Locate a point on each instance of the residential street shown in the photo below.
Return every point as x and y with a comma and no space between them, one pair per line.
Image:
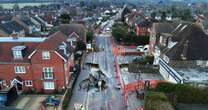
108,99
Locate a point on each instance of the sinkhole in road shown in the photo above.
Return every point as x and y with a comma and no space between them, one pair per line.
95,80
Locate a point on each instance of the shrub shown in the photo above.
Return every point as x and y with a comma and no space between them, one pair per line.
89,36
145,60
80,46
156,101
185,93
67,99
149,59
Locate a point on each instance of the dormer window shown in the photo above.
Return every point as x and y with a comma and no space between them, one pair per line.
63,48
46,55
17,52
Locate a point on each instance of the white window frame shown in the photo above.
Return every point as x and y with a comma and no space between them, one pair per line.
19,69
48,72
46,55
49,85
17,54
28,83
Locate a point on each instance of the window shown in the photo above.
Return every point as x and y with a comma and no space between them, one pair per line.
19,69
48,72
17,54
46,55
49,85
28,83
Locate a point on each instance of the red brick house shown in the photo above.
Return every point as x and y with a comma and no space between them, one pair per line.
143,28
40,63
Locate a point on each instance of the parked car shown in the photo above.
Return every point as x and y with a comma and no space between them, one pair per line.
8,95
50,100
107,29
140,48
146,48
118,87
143,48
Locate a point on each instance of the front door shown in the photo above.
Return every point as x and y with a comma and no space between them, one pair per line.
19,86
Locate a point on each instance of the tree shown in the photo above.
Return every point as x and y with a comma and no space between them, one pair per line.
153,15
125,11
186,15
1,7
80,46
89,36
82,3
131,38
119,33
16,6
65,18
163,17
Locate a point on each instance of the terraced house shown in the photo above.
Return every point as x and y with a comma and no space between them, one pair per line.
34,62
181,53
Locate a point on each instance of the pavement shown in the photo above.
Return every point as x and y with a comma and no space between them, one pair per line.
135,103
108,99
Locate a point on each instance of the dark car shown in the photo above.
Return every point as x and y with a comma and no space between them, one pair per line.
8,95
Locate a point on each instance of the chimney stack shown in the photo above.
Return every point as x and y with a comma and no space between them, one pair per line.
14,35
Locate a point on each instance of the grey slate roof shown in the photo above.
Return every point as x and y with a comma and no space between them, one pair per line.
144,23
39,20
164,27
192,44
26,20
11,26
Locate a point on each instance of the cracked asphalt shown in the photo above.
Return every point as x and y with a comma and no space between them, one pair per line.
108,99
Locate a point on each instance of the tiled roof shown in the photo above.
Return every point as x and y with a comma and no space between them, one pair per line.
192,43
6,55
67,29
27,20
163,27
39,20
52,43
145,23
11,26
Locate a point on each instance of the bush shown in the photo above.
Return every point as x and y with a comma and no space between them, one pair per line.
65,18
122,35
145,60
156,101
143,40
67,99
149,59
89,36
80,46
185,93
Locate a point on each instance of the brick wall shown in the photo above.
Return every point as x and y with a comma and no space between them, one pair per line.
55,62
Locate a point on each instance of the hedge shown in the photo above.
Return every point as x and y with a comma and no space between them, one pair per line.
69,90
185,93
67,99
156,101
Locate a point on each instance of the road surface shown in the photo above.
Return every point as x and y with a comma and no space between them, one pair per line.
108,99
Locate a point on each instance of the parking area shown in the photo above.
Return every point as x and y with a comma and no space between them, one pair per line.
31,102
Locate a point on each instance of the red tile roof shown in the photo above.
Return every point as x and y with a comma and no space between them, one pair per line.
6,51
51,43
